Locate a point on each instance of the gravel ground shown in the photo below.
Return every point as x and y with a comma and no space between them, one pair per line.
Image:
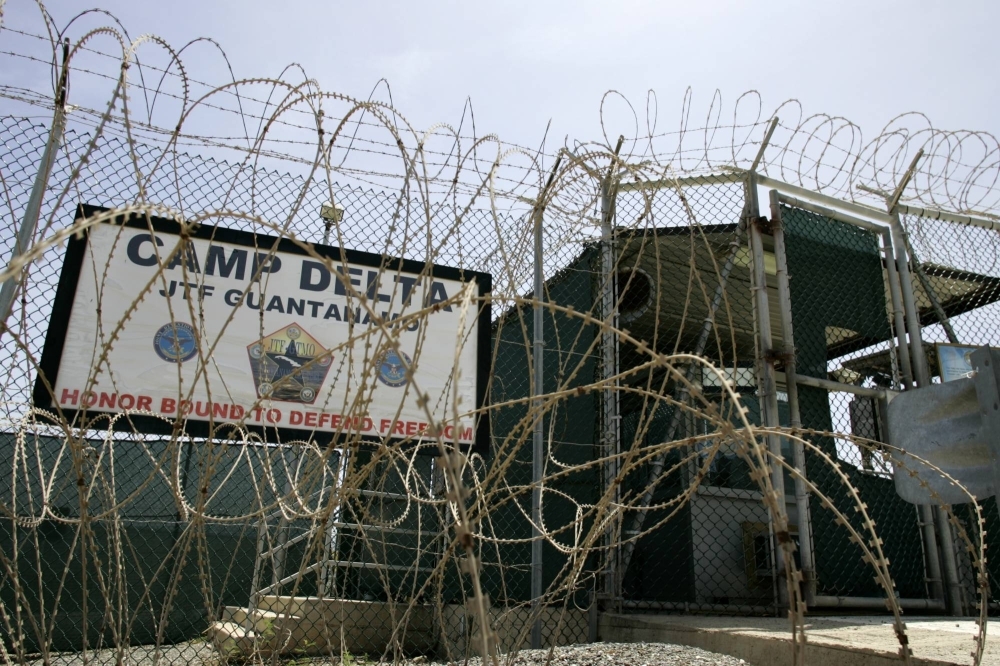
619,654
594,654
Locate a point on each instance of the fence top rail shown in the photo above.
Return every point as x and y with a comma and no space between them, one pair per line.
933,214
815,198
832,214
787,190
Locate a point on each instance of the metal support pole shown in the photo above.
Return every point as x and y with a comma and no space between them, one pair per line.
609,368
538,446
32,210
791,386
919,363
922,375
895,298
538,441
767,391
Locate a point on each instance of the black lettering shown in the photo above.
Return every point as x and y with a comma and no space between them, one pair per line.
315,307
275,305
308,283
438,295
372,292
232,297
332,313
340,288
250,302
296,306
265,263
217,257
407,283
133,249
185,255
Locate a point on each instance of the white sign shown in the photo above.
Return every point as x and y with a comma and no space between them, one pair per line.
233,329
954,361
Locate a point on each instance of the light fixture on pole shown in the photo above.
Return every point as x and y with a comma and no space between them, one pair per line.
332,213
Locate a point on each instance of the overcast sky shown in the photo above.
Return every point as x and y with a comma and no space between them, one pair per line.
524,63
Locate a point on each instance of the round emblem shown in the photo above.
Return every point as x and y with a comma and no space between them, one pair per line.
264,390
326,359
392,367
175,342
293,333
256,351
307,394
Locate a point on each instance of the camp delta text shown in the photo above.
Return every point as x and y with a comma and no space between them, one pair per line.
243,265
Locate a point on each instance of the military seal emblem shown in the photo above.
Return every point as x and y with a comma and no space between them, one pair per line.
175,342
392,367
289,365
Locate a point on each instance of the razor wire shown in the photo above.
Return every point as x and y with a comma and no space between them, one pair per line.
126,546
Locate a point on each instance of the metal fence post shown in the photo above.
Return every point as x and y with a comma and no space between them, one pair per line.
538,439
32,210
922,374
896,301
609,368
924,513
767,389
798,450
919,363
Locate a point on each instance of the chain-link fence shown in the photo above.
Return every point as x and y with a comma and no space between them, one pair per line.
654,408
291,548
957,287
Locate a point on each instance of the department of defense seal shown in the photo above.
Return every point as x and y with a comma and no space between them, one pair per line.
392,367
175,342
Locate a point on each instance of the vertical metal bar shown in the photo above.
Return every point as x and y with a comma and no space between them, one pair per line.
929,290
922,376
538,440
610,417
767,391
609,368
918,358
897,309
538,445
798,450
919,362
32,210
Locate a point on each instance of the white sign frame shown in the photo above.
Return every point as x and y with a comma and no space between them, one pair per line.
310,351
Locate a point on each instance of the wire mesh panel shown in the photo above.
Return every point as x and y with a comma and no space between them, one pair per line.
139,555
288,547
956,278
683,285
843,333
655,489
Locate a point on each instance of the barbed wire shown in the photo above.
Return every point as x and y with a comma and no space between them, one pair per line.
440,526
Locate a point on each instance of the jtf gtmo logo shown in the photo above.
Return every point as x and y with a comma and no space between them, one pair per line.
289,364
